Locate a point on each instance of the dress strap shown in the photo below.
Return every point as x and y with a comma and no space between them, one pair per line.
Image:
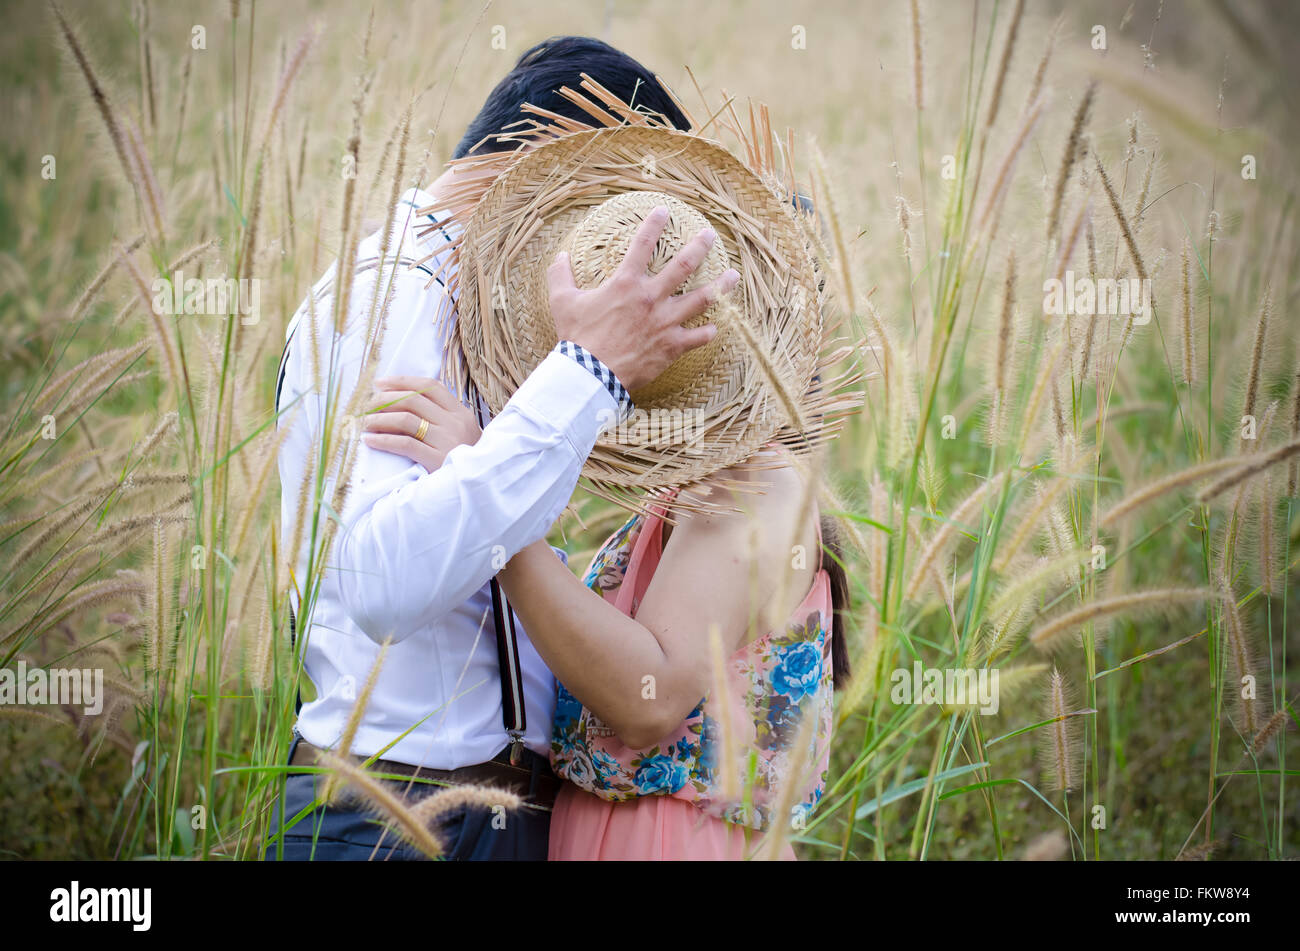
641,561
821,552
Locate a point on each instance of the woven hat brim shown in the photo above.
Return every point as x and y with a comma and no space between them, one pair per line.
756,385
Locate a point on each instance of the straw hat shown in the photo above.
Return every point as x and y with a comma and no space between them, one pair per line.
585,190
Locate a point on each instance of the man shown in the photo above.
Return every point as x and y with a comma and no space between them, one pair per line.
417,548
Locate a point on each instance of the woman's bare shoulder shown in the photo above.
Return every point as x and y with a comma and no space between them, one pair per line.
748,548
766,481
744,496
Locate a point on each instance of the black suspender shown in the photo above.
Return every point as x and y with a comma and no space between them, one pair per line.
514,716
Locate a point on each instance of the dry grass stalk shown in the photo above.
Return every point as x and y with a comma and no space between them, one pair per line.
1036,84
248,248
878,553
933,575
89,374
97,94
355,717
729,317
1045,636
1002,356
123,585
1090,336
1073,150
1060,752
1042,576
918,63
1028,522
348,229
1188,321
960,519
256,490
384,802
1279,722
842,268
186,70
162,333
1125,230
1259,462
905,228
386,235
987,223
146,183
1182,477
1242,656
166,426
160,604
1003,633
1256,363
885,354
1046,374
1004,64
260,659
455,798
1140,208
1293,468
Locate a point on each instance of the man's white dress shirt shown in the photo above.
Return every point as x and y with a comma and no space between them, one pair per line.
415,549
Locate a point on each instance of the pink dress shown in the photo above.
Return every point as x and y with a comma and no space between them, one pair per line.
709,789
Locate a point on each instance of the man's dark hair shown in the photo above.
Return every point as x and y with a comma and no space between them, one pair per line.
561,61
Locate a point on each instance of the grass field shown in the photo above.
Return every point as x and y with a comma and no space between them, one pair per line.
1102,507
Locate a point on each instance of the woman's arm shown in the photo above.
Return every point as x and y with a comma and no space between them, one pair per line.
643,676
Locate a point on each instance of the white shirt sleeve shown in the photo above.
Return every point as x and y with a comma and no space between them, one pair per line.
413,545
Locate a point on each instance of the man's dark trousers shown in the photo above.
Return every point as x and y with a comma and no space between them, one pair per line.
351,833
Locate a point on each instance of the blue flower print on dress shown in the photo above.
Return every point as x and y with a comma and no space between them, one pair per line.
798,670
567,708
659,774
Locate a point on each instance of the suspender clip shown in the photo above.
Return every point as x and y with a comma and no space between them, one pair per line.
516,748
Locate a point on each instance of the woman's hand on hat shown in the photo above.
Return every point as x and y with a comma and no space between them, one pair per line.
632,322
419,418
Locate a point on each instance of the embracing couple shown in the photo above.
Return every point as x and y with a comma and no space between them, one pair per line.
561,278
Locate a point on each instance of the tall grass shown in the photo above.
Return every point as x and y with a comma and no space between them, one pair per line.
1073,501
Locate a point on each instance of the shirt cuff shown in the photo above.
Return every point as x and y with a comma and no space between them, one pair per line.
587,360
570,399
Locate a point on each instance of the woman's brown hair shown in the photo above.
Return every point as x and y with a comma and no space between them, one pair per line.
833,562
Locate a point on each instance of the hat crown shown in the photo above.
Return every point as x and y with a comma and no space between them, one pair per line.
598,243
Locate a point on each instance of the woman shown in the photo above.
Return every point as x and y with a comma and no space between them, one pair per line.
654,770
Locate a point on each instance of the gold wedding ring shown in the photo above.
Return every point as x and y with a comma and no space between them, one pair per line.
424,428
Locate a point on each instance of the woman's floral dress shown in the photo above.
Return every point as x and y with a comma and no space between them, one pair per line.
734,756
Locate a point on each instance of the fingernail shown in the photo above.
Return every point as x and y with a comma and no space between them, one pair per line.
731,277
660,213
709,235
